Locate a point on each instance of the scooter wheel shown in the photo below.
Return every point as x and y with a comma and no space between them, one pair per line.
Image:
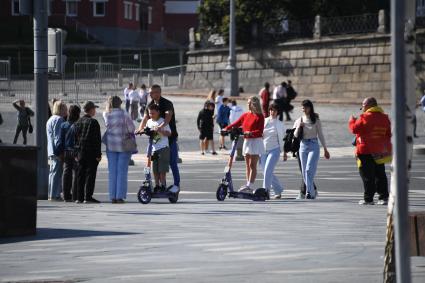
173,198
221,193
144,196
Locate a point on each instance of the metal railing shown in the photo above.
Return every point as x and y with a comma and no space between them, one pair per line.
366,23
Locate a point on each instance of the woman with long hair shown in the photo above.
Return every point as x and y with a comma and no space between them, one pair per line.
309,128
118,126
252,123
273,134
211,96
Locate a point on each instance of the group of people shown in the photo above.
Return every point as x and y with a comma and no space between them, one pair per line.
136,100
282,94
74,147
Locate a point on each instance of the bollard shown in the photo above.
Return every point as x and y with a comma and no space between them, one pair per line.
180,80
119,80
150,79
164,79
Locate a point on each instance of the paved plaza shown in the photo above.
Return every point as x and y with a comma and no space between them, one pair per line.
330,239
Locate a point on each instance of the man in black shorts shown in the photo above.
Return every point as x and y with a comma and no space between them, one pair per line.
166,111
205,123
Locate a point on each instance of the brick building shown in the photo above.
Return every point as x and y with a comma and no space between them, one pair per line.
145,23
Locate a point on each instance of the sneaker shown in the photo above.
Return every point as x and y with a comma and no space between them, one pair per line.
382,202
301,196
214,153
91,200
79,201
174,189
120,200
363,202
245,189
113,201
202,153
309,196
156,189
162,188
278,196
56,199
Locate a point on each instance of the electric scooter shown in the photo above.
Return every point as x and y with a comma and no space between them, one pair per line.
226,186
146,192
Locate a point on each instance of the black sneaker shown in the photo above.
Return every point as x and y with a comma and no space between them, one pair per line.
156,189
214,153
163,189
309,196
91,200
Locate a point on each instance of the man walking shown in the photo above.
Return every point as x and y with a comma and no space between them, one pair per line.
166,111
373,149
88,147
127,91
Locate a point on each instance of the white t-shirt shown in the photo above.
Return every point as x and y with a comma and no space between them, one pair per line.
270,134
133,96
218,102
235,112
126,92
279,92
143,94
159,141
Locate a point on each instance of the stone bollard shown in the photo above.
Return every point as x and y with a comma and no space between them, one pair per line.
150,79
135,79
119,80
317,33
164,79
181,78
381,21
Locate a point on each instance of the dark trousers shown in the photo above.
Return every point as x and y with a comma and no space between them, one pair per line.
86,178
69,177
302,184
374,178
24,130
127,106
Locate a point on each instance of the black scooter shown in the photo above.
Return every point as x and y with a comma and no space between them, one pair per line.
146,192
226,186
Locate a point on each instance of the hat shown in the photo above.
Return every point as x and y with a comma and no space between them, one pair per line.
89,105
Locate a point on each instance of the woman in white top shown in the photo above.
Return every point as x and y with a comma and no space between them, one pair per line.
273,134
309,128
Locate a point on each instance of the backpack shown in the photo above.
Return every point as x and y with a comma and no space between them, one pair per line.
291,93
291,143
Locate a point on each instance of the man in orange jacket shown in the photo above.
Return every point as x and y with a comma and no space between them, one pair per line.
373,149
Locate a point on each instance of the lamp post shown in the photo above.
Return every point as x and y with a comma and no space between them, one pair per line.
232,88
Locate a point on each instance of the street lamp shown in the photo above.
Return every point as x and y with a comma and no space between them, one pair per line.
232,87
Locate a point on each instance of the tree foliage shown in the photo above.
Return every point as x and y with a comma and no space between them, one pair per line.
267,14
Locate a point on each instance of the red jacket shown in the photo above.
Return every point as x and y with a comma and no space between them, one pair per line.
250,122
373,132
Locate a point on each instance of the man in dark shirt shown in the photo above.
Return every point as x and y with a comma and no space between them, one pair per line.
24,114
166,111
88,147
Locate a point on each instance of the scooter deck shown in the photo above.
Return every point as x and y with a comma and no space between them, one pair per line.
162,194
243,195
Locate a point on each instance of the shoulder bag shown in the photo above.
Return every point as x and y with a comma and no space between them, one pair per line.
129,139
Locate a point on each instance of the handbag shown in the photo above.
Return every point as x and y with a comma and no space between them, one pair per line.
30,127
129,140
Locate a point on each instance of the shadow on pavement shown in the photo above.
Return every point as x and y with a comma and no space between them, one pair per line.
53,233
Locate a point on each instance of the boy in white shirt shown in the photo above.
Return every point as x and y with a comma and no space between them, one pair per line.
160,148
134,99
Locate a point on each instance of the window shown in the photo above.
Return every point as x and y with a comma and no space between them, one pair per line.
71,8
15,7
149,15
99,9
137,11
128,10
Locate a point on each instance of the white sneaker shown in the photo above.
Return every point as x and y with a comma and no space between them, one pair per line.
363,202
382,202
278,196
301,196
174,189
245,189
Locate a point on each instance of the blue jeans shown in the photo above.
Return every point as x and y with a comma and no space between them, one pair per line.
309,155
55,177
174,156
268,162
118,174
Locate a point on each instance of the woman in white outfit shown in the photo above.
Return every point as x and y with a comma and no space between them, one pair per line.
273,135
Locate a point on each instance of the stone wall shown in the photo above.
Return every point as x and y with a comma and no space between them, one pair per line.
337,67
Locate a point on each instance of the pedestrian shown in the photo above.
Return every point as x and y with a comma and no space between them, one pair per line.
55,150
280,97
211,96
373,149
273,134
24,120
88,147
265,99
166,111
67,141
160,148
127,90
308,128
235,111
143,94
291,94
205,124
219,100
134,99
223,120
118,127
252,123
